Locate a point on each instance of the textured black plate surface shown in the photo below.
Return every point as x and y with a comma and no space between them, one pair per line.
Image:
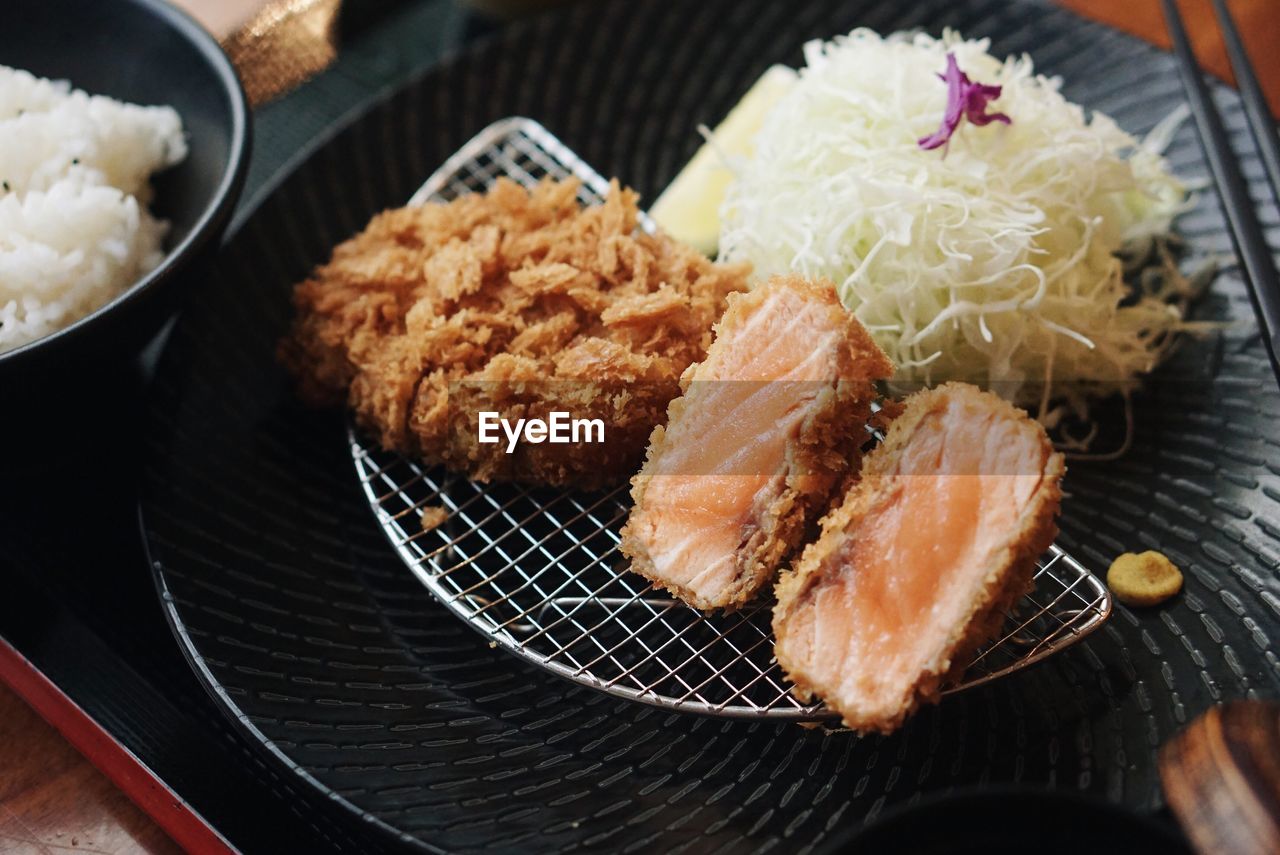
307,626
1002,819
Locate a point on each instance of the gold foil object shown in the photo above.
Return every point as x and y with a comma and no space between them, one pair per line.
285,44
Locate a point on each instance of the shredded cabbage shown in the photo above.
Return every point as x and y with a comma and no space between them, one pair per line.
993,262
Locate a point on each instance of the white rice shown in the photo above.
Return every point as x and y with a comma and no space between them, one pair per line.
75,231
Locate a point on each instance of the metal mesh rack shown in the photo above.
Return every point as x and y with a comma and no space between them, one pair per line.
538,571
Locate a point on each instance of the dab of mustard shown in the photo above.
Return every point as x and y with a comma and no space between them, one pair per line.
1144,579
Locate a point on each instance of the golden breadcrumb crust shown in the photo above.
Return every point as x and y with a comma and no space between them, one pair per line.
1009,576
817,457
516,301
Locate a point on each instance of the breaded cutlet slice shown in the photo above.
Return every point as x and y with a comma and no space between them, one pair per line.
515,301
915,569
765,429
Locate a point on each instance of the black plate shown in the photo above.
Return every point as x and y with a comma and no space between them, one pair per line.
144,52
312,634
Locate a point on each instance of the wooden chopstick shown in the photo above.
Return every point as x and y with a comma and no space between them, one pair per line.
1246,231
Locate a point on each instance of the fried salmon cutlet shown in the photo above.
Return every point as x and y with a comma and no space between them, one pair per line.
916,567
514,301
765,429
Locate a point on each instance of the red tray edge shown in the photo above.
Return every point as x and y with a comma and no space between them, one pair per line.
143,787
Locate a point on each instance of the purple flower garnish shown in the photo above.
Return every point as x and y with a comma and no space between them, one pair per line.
965,99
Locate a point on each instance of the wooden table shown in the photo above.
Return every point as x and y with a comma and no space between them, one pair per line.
52,800
1257,20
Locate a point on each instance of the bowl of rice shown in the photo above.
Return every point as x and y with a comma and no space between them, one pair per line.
123,148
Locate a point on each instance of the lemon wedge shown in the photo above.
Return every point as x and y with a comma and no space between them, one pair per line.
689,209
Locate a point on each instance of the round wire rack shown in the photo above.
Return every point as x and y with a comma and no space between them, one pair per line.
538,571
